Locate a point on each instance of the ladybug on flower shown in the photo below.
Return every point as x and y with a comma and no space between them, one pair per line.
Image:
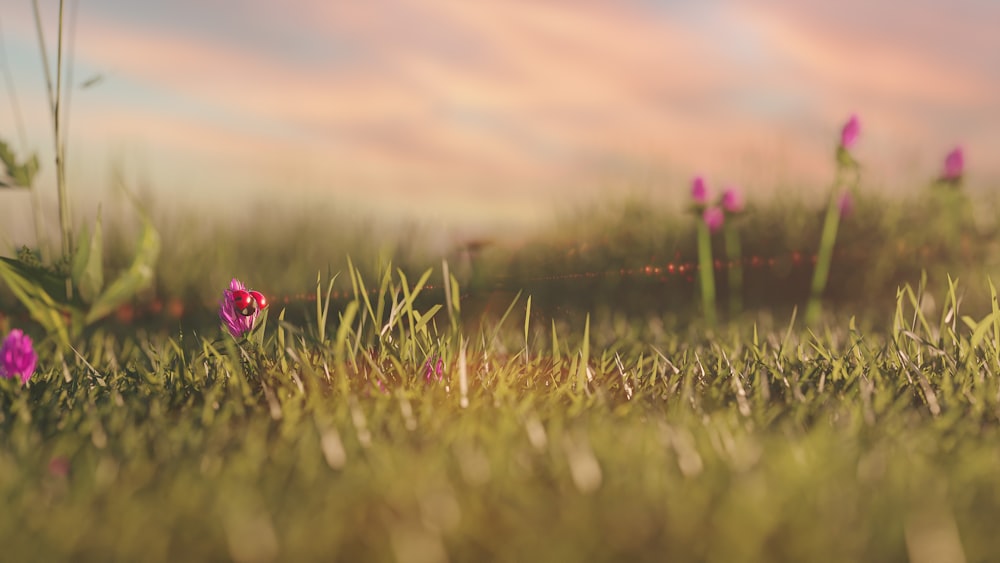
240,307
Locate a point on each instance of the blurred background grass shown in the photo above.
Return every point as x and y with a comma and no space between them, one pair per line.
623,255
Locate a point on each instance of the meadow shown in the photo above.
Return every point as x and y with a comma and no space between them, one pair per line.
757,381
561,399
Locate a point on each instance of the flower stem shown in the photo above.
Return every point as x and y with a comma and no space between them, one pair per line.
55,95
734,255
706,273
827,240
64,214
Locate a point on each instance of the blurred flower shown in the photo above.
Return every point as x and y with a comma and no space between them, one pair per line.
954,165
433,370
239,325
849,134
846,204
699,192
59,466
713,217
732,200
17,356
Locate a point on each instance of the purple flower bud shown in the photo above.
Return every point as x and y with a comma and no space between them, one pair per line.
713,217
732,200
433,369
699,192
17,356
849,134
954,165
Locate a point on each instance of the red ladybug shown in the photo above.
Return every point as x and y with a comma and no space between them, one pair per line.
244,302
260,299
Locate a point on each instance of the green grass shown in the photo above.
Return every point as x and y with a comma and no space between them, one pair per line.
581,417
606,441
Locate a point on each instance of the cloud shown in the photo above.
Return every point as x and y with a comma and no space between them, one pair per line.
437,101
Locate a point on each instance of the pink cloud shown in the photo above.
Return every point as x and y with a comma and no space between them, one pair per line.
509,97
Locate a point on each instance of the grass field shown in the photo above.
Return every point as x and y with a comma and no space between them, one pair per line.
599,421
577,393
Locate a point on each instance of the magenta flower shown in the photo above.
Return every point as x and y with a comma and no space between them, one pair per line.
713,217
845,204
17,356
732,200
954,165
849,134
433,370
239,325
699,192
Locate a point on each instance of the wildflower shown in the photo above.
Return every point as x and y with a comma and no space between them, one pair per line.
713,217
433,370
845,204
954,165
732,200
849,134
59,466
238,324
17,356
699,192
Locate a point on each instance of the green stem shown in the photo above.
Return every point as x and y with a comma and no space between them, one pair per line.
64,215
706,273
734,254
41,239
823,259
54,98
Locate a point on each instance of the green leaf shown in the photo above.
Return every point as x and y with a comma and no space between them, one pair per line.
425,317
581,374
30,289
51,283
257,332
340,344
81,256
133,280
980,333
322,312
23,175
88,263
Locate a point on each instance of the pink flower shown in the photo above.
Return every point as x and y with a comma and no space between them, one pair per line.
699,192
954,165
17,356
239,325
433,370
849,134
59,466
713,217
846,204
732,200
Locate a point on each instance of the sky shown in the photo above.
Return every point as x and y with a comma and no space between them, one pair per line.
501,113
